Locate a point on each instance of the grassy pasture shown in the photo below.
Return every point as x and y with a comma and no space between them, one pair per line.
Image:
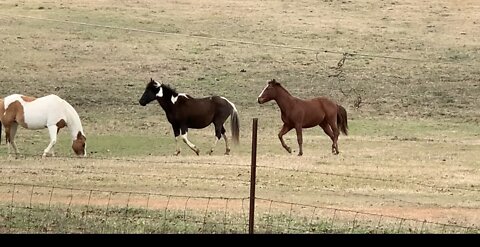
416,132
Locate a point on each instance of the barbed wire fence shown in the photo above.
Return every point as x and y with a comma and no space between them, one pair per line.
30,207
318,219
213,163
40,208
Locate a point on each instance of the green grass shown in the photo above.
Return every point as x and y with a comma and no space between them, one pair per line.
158,139
55,219
414,128
99,146
42,219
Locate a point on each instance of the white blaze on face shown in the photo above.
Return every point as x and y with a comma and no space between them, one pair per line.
174,99
262,92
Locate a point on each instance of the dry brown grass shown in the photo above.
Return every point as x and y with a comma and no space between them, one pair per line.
423,169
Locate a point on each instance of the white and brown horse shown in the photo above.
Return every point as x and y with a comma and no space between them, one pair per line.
184,111
50,112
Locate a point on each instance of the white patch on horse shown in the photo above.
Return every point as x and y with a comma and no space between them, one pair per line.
160,92
234,108
46,112
12,98
260,95
185,139
157,85
174,99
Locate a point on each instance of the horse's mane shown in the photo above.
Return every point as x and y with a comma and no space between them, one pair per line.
276,83
169,90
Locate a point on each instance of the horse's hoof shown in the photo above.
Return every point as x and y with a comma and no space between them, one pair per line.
197,152
48,155
227,153
209,152
289,150
176,153
300,154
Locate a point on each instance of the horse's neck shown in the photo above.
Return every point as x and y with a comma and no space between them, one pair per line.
73,121
284,99
166,106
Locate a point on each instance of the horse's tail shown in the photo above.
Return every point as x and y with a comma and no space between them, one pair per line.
342,121
234,123
235,126
2,112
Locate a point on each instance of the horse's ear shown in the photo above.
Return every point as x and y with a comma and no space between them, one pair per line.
273,80
151,79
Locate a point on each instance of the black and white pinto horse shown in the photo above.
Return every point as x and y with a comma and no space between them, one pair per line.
184,112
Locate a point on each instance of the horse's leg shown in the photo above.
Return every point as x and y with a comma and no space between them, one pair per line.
326,128
218,135
227,147
176,132
52,131
285,129
333,124
7,137
299,139
190,144
10,133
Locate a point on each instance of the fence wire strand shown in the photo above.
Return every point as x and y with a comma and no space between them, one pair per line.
205,221
242,42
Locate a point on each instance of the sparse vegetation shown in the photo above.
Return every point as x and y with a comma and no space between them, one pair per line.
417,120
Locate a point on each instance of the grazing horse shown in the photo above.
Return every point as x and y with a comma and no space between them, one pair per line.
50,112
183,112
298,113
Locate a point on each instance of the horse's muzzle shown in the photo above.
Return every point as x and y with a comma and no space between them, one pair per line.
260,100
142,103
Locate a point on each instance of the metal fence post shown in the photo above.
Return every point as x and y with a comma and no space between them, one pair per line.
253,175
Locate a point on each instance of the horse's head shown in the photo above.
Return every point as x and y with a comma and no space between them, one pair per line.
152,91
269,92
79,145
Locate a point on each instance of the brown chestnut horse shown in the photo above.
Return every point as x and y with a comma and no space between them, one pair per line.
298,113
